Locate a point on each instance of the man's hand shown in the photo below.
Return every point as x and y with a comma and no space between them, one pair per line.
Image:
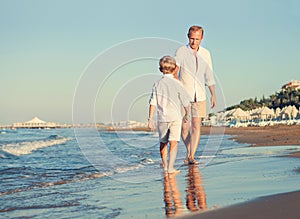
213,101
186,118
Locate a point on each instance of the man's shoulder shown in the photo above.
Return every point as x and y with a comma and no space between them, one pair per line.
204,51
182,48
205,54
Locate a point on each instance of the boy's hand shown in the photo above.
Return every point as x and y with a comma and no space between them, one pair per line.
151,124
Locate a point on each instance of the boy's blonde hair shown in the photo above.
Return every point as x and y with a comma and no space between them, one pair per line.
167,64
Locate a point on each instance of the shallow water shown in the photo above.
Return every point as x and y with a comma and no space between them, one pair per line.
46,175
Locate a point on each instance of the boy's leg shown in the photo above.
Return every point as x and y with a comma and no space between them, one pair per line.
174,138
164,155
173,154
163,139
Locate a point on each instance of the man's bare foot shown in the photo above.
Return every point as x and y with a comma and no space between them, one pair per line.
193,162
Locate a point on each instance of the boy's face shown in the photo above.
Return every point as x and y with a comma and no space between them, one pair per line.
195,38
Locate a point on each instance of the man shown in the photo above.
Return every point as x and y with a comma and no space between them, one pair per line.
195,71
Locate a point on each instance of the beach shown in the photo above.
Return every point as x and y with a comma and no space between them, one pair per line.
260,136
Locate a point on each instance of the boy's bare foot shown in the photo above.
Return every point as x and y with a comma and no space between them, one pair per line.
173,171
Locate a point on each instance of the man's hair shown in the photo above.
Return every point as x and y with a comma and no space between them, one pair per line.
167,64
195,28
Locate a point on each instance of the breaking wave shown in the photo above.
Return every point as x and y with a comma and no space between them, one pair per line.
26,147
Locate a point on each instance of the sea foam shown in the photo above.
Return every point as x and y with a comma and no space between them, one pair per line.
26,147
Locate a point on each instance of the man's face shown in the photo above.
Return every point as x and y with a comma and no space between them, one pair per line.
195,38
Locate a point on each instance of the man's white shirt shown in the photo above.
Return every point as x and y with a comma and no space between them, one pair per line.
194,79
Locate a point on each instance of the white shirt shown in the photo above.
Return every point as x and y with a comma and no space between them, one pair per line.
168,94
194,77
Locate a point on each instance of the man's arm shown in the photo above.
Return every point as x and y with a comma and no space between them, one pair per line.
187,115
213,96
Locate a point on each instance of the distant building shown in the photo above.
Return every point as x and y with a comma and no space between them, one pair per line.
293,84
126,125
36,123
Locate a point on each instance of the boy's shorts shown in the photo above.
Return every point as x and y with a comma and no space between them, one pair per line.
169,131
198,109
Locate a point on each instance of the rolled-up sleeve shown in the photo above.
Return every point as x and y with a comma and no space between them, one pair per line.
209,77
179,57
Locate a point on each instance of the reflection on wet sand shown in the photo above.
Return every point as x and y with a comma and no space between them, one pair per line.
172,196
195,194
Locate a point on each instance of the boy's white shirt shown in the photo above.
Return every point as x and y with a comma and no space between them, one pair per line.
168,95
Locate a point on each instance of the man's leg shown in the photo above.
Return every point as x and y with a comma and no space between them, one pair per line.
195,136
164,155
186,138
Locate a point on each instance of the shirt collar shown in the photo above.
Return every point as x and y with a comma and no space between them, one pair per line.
190,48
168,75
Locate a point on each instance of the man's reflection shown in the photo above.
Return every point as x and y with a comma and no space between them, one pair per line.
195,195
172,196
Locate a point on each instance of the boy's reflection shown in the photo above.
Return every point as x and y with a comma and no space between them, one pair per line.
172,196
195,195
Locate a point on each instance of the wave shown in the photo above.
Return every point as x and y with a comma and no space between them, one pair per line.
26,147
77,178
128,168
147,161
62,205
4,154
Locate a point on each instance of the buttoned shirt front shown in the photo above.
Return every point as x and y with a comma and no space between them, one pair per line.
168,94
195,71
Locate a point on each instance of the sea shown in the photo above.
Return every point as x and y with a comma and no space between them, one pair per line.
86,173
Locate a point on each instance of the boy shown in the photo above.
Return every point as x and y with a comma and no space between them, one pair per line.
168,95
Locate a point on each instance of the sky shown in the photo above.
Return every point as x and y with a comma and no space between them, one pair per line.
72,61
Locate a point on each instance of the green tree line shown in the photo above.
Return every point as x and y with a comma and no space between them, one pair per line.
289,96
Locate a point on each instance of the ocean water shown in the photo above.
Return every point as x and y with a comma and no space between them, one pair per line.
66,173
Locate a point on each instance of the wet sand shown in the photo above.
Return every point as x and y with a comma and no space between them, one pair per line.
276,206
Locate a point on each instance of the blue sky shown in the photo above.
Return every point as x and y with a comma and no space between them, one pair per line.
46,47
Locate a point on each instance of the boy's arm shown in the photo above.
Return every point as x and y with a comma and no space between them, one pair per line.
150,118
